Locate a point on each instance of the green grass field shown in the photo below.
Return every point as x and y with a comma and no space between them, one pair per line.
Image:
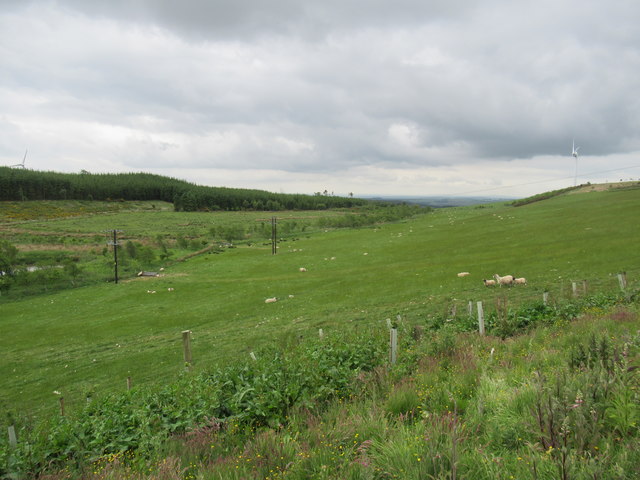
94,337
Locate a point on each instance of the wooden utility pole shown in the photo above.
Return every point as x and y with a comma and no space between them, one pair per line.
114,242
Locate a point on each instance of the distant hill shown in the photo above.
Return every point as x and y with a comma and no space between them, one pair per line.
436,201
20,184
584,188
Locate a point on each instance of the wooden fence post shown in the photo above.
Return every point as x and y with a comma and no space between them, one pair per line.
622,280
13,440
545,298
480,319
393,351
62,406
470,309
128,383
186,343
574,289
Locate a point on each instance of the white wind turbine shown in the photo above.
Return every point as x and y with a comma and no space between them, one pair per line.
21,165
574,152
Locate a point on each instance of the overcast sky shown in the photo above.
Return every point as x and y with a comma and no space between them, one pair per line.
409,97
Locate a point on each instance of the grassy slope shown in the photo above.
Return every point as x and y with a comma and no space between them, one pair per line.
69,341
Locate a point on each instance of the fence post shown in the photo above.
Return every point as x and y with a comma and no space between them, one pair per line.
62,406
545,298
470,309
13,440
574,289
622,280
480,319
585,287
128,383
186,343
393,352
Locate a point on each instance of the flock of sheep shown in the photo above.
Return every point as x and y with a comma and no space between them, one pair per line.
499,281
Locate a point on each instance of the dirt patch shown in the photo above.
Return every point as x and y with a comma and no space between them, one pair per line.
601,187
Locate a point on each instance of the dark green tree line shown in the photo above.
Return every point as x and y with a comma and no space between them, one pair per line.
21,184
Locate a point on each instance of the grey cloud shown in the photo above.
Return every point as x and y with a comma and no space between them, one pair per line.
246,19
320,86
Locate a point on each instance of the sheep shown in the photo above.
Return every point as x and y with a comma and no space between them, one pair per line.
463,274
489,283
271,300
302,269
520,281
506,280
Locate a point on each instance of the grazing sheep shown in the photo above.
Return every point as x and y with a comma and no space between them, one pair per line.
463,274
506,280
271,300
489,283
520,281
302,269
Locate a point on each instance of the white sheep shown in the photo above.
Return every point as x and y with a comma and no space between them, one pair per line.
463,274
489,283
520,281
271,300
506,280
302,269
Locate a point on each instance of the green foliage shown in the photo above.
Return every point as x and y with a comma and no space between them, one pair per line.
23,184
543,196
299,411
403,400
8,256
252,394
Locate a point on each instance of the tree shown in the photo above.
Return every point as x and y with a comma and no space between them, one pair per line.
72,269
8,257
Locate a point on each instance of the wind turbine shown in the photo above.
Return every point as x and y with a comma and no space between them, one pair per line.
21,165
574,152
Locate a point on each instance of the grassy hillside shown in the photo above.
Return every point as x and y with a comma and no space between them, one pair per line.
558,402
93,337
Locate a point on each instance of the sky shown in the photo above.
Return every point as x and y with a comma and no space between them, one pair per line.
369,97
